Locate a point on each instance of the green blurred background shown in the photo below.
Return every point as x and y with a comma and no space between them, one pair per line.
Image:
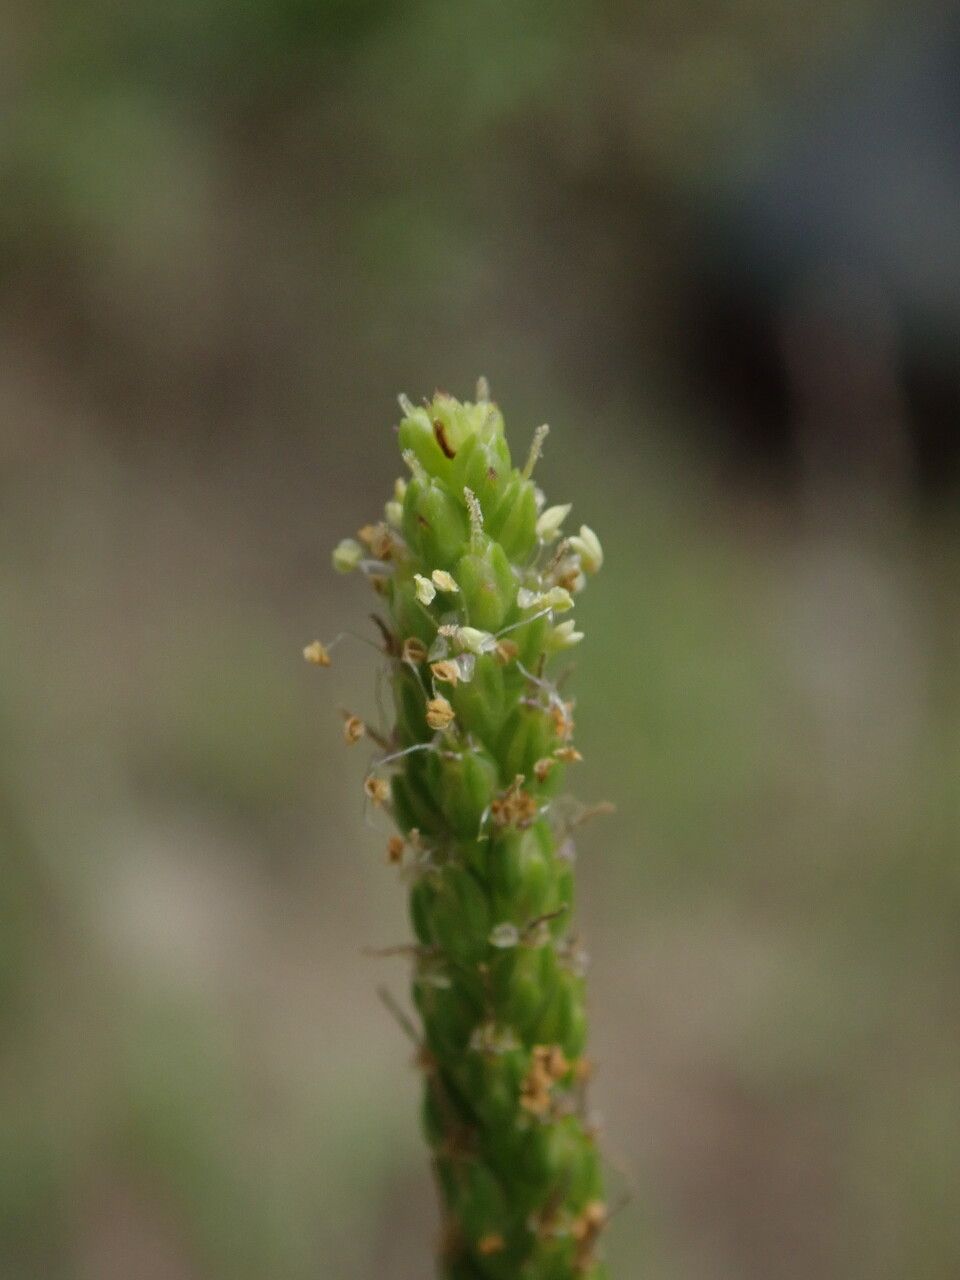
716,245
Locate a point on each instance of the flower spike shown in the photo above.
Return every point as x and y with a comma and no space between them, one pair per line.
473,568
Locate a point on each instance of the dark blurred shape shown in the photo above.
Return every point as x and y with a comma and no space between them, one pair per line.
862,184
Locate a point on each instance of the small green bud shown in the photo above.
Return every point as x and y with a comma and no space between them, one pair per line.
482,1209
518,979
528,736
465,782
410,705
521,875
413,805
434,523
449,1015
437,433
417,436
483,466
531,639
460,915
488,585
421,899
494,1079
562,1021
513,523
482,703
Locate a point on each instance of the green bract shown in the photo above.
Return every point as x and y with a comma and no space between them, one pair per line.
473,570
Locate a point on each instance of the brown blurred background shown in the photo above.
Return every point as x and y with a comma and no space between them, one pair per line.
717,246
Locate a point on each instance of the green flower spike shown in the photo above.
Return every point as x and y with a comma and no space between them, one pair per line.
474,569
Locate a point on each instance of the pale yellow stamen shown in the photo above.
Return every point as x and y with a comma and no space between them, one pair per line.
316,653
439,713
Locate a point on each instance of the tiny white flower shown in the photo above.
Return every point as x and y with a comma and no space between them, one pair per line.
475,641
444,581
558,599
588,548
504,935
347,555
425,589
394,513
548,526
470,639
563,635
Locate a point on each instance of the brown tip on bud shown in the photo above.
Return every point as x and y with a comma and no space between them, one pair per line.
395,847
439,713
488,1245
440,433
376,790
569,755
353,730
317,654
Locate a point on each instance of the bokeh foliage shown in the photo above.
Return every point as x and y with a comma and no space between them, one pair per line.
230,233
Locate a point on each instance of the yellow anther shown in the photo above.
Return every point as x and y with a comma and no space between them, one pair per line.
439,713
316,653
353,730
376,789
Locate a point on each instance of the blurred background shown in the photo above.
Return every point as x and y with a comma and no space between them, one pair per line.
717,247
